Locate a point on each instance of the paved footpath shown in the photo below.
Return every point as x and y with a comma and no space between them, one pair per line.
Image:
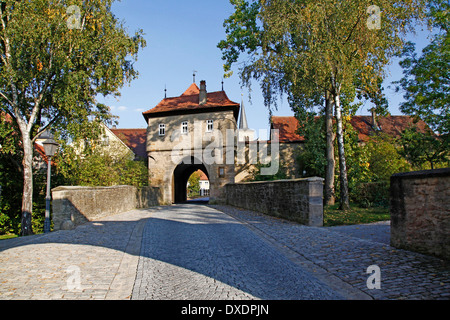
197,252
95,261
346,252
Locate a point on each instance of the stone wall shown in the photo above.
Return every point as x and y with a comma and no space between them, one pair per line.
73,206
420,212
299,200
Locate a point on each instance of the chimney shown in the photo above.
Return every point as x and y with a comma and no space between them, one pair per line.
202,95
374,119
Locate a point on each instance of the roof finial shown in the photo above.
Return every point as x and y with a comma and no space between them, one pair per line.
222,84
165,91
193,75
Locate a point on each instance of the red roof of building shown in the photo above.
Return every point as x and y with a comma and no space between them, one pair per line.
390,125
135,139
203,176
287,127
193,89
189,101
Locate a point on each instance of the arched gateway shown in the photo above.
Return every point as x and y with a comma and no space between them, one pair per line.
181,174
193,131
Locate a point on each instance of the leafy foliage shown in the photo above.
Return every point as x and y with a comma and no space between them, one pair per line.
98,166
312,160
421,149
426,81
52,72
194,184
310,48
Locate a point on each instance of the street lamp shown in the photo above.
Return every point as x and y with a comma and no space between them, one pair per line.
50,147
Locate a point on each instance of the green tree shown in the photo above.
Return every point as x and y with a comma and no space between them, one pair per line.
55,58
194,184
420,148
92,163
426,80
310,49
312,160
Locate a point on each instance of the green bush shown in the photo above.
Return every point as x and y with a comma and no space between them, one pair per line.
5,224
98,168
370,194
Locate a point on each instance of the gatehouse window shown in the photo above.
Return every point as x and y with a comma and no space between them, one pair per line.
209,125
162,129
184,127
221,172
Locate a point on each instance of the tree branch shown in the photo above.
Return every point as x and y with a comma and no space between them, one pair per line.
6,98
46,127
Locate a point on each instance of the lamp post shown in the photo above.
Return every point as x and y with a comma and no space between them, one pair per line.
50,147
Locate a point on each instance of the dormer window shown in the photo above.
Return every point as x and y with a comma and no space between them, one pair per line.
184,127
209,125
162,129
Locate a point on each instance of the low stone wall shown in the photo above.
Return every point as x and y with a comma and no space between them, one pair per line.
299,200
73,206
420,212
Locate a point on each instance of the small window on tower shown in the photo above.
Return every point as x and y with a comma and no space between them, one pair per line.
184,127
162,129
221,172
209,125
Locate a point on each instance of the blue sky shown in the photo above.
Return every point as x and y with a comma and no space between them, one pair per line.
182,36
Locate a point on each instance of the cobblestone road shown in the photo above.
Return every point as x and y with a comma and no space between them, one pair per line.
346,252
196,252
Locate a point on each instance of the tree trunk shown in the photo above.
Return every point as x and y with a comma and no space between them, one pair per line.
27,198
329,197
344,198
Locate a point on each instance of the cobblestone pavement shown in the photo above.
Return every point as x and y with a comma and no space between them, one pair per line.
97,260
196,252
178,253
346,252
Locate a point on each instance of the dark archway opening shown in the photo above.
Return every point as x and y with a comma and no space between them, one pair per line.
181,175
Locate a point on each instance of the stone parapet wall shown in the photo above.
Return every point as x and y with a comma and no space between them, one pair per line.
299,200
73,206
420,212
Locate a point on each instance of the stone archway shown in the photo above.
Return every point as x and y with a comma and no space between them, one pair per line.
181,175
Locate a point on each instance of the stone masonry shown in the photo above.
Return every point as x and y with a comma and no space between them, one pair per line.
73,206
420,212
299,200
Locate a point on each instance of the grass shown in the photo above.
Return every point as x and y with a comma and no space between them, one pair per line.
356,215
7,236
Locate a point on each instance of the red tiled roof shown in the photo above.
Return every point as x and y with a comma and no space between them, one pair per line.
135,139
287,127
203,175
391,125
193,89
189,101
